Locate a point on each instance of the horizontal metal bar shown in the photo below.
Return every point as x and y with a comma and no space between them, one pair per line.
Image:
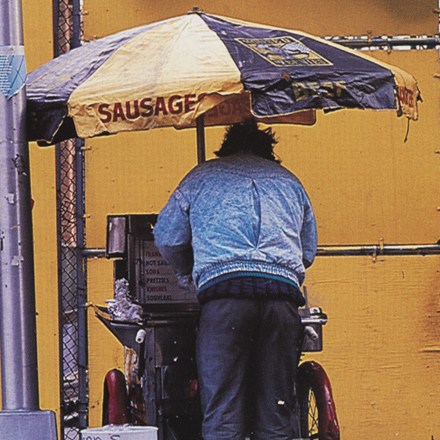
93,253
359,42
369,249
409,249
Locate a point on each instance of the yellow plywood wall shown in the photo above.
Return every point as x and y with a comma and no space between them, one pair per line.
105,352
332,17
366,184
381,343
46,273
38,32
38,41
365,181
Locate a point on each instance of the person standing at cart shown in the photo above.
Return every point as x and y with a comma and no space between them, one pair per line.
242,228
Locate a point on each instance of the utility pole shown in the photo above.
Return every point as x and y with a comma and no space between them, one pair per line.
21,417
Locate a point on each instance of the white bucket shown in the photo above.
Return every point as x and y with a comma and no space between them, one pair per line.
120,432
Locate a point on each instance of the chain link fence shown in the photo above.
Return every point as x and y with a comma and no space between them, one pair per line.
72,292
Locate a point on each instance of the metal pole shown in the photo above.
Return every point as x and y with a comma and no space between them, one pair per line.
377,249
81,277
17,301
76,18
61,327
200,127
391,42
82,290
325,251
55,16
20,417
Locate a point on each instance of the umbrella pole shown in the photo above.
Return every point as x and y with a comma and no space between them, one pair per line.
201,151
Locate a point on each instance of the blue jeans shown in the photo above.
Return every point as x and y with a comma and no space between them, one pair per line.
247,361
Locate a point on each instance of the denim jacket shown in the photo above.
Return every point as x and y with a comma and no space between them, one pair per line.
238,215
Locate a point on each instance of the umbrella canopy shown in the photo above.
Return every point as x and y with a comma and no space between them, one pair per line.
171,72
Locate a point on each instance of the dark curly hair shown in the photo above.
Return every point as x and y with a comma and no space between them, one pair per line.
247,137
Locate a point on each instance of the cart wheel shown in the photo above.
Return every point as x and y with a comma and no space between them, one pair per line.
115,408
317,408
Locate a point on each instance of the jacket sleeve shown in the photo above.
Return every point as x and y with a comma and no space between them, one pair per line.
172,236
309,236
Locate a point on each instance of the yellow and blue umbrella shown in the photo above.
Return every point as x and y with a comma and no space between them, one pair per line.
172,72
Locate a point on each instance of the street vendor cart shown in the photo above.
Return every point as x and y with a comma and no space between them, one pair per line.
156,322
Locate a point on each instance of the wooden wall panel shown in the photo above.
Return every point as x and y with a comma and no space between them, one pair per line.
366,183
329,18
38,43
381,343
